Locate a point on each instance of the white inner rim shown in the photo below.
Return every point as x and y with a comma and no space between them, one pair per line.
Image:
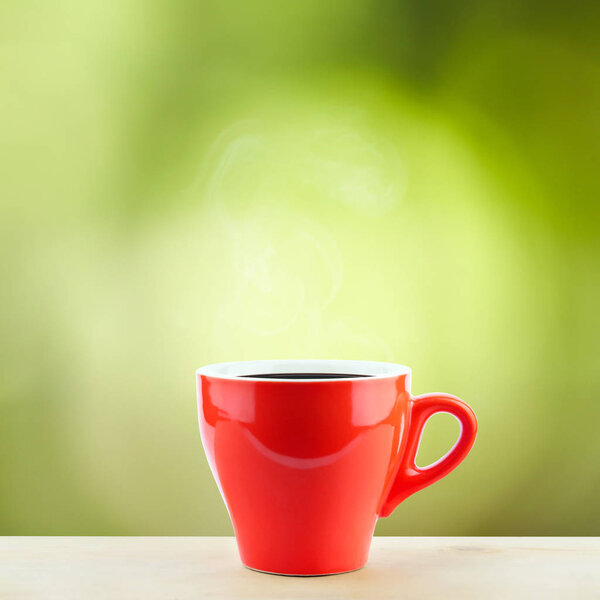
233,370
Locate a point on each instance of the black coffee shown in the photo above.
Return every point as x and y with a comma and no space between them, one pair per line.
305,375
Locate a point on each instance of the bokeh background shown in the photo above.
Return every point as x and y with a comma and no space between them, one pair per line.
191,182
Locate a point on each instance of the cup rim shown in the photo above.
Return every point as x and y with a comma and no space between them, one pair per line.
242,370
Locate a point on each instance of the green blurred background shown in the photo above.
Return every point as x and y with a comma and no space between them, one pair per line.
191,182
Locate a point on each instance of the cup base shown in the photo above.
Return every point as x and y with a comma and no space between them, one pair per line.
303,574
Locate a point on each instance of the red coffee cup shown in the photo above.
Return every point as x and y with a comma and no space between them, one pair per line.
308,454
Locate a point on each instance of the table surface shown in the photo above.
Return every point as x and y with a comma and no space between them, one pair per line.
181,568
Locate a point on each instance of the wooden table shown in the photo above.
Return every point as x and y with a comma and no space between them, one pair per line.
90,568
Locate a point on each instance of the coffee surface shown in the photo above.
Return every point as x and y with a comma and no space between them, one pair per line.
305,375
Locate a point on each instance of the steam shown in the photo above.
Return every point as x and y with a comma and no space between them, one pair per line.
287,268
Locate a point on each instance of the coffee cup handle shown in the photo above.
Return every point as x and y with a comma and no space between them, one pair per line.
410,478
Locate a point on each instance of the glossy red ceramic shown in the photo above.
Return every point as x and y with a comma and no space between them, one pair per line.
306,467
